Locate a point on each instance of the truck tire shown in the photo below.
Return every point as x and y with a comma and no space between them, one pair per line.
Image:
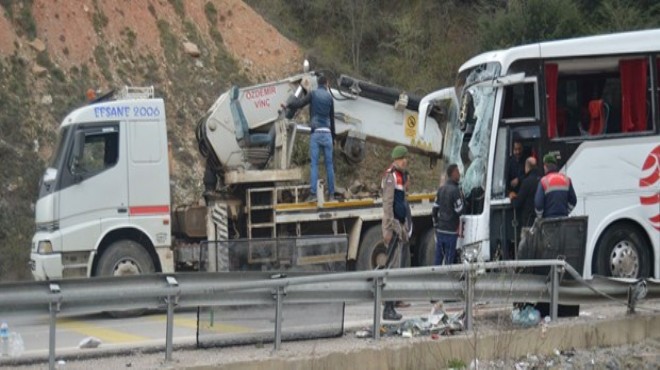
123,258
427,248
372,252
622,252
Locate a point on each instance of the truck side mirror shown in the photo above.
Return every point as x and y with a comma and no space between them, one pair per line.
77,154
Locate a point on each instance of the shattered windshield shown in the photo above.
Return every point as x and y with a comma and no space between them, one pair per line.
469,147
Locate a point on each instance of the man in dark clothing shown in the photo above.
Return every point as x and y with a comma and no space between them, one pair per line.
395,210
516,168
555,196
523,201
322,113
446,217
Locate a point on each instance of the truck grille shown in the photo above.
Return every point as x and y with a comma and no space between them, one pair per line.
48,226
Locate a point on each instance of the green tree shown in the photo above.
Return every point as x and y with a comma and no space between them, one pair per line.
528,21
625,15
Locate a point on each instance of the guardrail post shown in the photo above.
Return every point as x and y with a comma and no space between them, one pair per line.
554,292
469,297
378,288
278,318
169,330
53,308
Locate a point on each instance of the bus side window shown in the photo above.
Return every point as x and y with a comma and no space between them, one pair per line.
657,92
519,101
600,97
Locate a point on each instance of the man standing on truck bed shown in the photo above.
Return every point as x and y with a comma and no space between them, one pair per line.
322,122
555,196
395,210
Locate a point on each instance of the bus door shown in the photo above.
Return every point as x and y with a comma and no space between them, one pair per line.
518,138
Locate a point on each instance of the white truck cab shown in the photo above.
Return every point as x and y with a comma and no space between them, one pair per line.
104,200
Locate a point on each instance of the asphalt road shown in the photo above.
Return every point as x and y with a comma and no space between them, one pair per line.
226,325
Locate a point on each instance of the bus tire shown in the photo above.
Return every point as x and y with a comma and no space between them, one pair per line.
124,258
427,248
622,252
372,252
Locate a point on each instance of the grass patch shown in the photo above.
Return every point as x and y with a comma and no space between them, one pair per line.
99,20
26,22
191,33
103,62
130,35
168,41
178,6
211,13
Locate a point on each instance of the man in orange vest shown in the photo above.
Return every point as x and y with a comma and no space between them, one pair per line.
555,196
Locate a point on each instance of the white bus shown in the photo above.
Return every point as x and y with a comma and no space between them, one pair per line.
593,102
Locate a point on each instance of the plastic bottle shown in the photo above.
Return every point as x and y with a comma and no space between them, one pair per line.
4,339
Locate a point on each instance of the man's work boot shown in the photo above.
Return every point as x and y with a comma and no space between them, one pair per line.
402,304
389,314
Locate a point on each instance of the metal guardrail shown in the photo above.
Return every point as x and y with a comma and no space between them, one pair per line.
170,291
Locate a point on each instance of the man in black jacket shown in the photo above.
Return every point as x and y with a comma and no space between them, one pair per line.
446,217
523,201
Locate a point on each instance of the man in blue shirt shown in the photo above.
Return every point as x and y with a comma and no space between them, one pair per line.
322,122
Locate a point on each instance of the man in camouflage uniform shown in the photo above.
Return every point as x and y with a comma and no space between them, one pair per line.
395,212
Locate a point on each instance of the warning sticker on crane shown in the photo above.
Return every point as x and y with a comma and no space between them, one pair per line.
410,124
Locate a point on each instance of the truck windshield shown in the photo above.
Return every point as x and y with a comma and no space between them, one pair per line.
468,147
57,155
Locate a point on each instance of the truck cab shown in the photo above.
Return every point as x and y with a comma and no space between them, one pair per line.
106,191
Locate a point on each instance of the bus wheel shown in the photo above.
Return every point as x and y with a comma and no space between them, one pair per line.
373,252
622,253
123,258
427,248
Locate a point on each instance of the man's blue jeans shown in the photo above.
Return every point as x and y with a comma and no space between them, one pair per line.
445,248
321,141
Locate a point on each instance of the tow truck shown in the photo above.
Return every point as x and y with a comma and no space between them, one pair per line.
104,202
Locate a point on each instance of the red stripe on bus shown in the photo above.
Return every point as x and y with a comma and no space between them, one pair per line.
650,180
653,199
149,210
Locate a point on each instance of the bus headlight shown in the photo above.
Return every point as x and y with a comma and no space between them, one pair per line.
45,247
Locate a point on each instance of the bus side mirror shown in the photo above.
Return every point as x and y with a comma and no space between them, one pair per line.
77,155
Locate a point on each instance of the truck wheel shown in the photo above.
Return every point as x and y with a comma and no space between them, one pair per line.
123,258
372,251
623,253
427,248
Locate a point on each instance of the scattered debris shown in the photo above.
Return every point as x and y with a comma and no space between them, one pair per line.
436,324
528,316
89,342
47,99
363,334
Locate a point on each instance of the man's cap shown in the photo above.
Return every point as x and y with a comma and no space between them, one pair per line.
322,80
549,159
399,152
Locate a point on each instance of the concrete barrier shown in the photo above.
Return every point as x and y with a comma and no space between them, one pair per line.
434,354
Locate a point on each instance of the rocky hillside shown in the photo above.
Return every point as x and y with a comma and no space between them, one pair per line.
52,51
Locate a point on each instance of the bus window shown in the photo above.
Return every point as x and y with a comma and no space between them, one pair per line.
599,97
520,102
499,178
